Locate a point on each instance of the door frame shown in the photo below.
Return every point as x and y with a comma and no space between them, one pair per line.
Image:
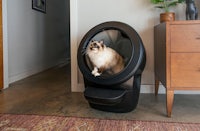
74,44
5,44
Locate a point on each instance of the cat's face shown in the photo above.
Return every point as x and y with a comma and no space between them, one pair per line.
96,46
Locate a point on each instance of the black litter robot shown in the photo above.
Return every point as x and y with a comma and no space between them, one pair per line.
114,92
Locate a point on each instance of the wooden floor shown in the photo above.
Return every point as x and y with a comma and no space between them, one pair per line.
48,93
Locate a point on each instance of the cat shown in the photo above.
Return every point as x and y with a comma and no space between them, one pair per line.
103,58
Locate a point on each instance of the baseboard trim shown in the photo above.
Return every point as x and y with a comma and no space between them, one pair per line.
27,73
36,70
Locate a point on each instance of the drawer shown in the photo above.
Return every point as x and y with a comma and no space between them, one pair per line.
185,38
185,70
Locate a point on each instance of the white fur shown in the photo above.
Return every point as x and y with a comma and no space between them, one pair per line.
95,72
101,57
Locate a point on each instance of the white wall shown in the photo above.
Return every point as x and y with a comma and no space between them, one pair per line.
36,41
140,14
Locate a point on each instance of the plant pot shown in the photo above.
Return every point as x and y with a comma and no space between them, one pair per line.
167,16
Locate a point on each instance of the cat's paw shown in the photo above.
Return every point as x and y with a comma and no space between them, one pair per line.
95,72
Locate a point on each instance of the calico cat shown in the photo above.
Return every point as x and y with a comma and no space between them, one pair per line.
104,58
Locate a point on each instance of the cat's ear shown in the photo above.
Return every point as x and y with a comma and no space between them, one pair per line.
101,41
103,45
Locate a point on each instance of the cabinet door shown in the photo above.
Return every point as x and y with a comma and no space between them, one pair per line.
185,70
185,38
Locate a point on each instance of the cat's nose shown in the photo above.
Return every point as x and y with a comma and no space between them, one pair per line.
96,45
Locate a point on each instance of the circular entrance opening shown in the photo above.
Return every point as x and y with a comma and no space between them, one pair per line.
124,40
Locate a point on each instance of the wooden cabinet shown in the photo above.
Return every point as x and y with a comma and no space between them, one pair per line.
177,57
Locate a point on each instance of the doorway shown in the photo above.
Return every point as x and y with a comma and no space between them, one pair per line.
36,41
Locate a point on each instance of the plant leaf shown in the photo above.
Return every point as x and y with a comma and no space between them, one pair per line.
156,1
181,1
173,3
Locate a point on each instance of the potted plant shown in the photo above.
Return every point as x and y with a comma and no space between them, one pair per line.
165,5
